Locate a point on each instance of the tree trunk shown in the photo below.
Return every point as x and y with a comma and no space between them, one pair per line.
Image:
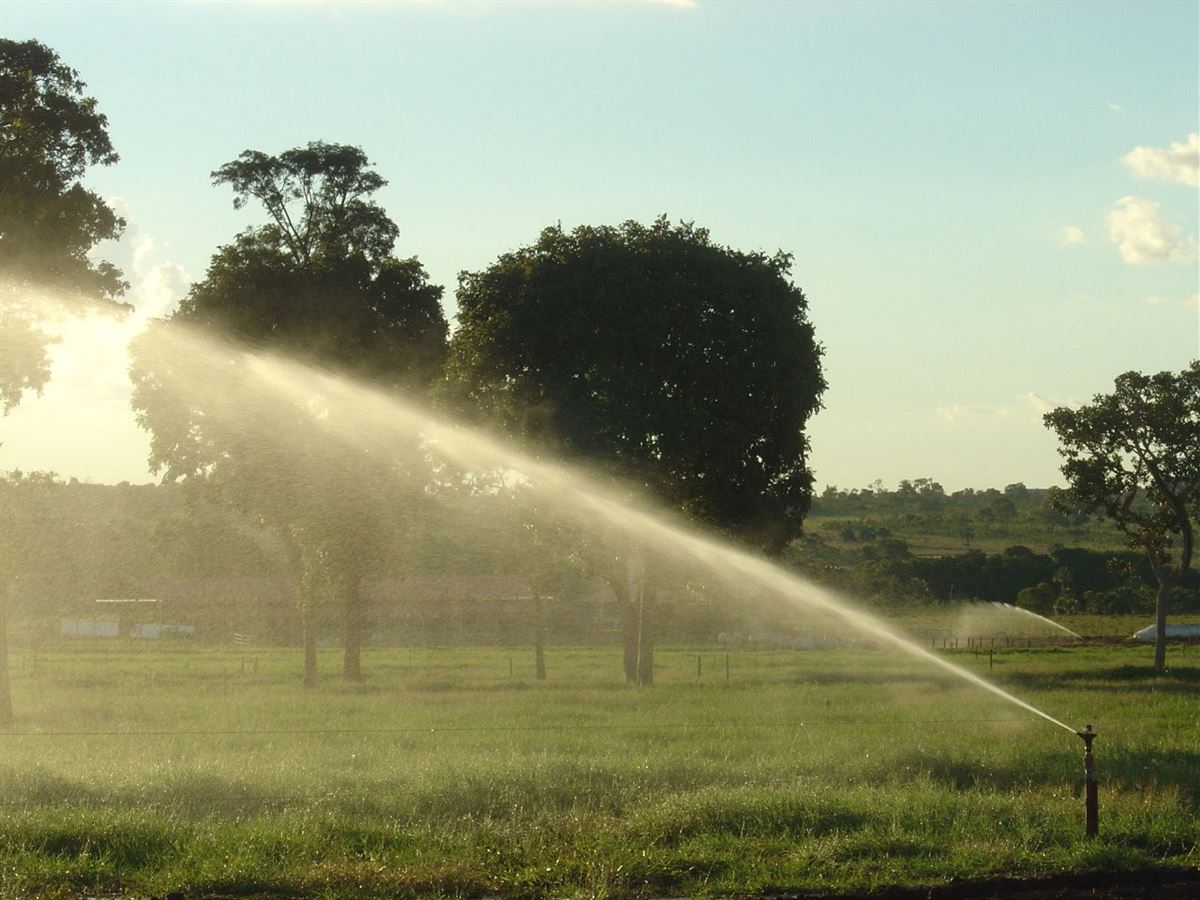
646,630
1160,630
620,587
6,709
539,636
635,599
306,572
352,653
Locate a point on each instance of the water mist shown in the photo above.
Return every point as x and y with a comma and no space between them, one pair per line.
376,421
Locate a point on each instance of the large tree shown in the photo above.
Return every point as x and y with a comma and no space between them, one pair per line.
50,134
318,283
684,369
1134,455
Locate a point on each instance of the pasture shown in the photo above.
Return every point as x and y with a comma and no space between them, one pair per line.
451,772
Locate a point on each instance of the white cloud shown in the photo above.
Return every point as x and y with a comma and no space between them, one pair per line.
1042,405
1039,403
958,411
155,284
155,289
1115,107
963,412
1143,236
1192,302
1023,409
1072,236
1180,162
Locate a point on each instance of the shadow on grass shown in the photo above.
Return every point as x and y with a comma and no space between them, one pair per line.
1118,768
741,815
924,676
1174,767
42,788
123,847
666,876
1176,680
222,888
968,772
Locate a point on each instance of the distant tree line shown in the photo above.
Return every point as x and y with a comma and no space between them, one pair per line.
68,543
966,516
863,540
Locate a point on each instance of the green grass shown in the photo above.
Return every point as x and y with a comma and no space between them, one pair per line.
150,769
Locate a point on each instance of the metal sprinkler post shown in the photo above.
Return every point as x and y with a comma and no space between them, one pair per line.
1091,826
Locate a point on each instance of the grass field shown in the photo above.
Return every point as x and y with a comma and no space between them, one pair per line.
146,770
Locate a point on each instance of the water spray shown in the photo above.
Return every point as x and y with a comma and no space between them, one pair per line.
366,417
1091,816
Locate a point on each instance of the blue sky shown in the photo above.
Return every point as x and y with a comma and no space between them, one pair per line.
975,227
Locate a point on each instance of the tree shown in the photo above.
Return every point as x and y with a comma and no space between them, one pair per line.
50,134
1134,455
317,283
1017,492
682,369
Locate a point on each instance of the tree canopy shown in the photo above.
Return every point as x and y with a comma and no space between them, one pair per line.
1134,454
316,196
685,367
50,134
319,279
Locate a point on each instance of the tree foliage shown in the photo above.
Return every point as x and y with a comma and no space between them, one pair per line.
316,196
1135,455
50,134
687,368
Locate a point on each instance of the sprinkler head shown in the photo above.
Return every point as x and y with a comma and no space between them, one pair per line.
1088,735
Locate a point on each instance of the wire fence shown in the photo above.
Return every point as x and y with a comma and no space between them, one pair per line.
238,666
577,727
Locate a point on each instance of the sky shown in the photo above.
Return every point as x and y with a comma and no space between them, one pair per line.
992,207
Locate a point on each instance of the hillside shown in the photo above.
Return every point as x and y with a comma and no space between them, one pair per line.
934,523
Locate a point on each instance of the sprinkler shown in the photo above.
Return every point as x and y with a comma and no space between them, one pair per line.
1091,820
